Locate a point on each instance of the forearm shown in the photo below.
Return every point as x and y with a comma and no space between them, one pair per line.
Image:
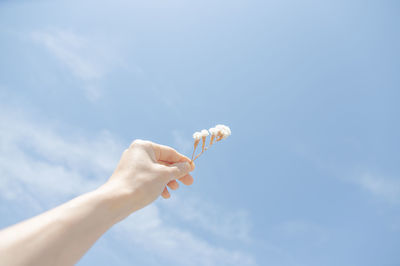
61,236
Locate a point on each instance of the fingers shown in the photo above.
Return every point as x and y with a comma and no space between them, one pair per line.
173,185
165,194
177,170
192,165
164,154
187,179
168,154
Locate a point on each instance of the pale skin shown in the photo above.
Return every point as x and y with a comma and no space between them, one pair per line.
61,236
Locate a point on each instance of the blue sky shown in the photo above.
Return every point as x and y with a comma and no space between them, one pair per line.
310,89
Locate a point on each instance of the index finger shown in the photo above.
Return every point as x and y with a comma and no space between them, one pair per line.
168,154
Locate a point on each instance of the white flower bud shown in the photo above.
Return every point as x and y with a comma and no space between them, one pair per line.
204,133
213,131
225,131
197,135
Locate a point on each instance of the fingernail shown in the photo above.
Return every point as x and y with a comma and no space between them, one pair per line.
184,166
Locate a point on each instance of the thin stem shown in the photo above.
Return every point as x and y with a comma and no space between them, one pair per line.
198,156
213,137
196,142
211,140
204,148
204,144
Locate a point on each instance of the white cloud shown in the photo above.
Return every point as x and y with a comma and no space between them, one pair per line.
304,230
180,246
37,160
382,187
42,167
84,58
231,225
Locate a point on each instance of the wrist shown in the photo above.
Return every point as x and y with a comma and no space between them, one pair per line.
117,202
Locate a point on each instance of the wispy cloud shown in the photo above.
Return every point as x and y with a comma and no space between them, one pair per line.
380,186
376,184
81,56
230,225
304,230
42,167
35,160
180,246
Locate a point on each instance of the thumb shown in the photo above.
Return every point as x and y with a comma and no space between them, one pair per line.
178,170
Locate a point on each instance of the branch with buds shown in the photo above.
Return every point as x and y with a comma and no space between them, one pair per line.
218,133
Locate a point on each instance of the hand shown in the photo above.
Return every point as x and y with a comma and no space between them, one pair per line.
63,234
144,171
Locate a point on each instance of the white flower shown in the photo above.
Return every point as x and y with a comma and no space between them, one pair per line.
197,135
218,133
204,133
225,131
214,131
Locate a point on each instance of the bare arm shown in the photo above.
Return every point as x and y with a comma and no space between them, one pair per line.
61,236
